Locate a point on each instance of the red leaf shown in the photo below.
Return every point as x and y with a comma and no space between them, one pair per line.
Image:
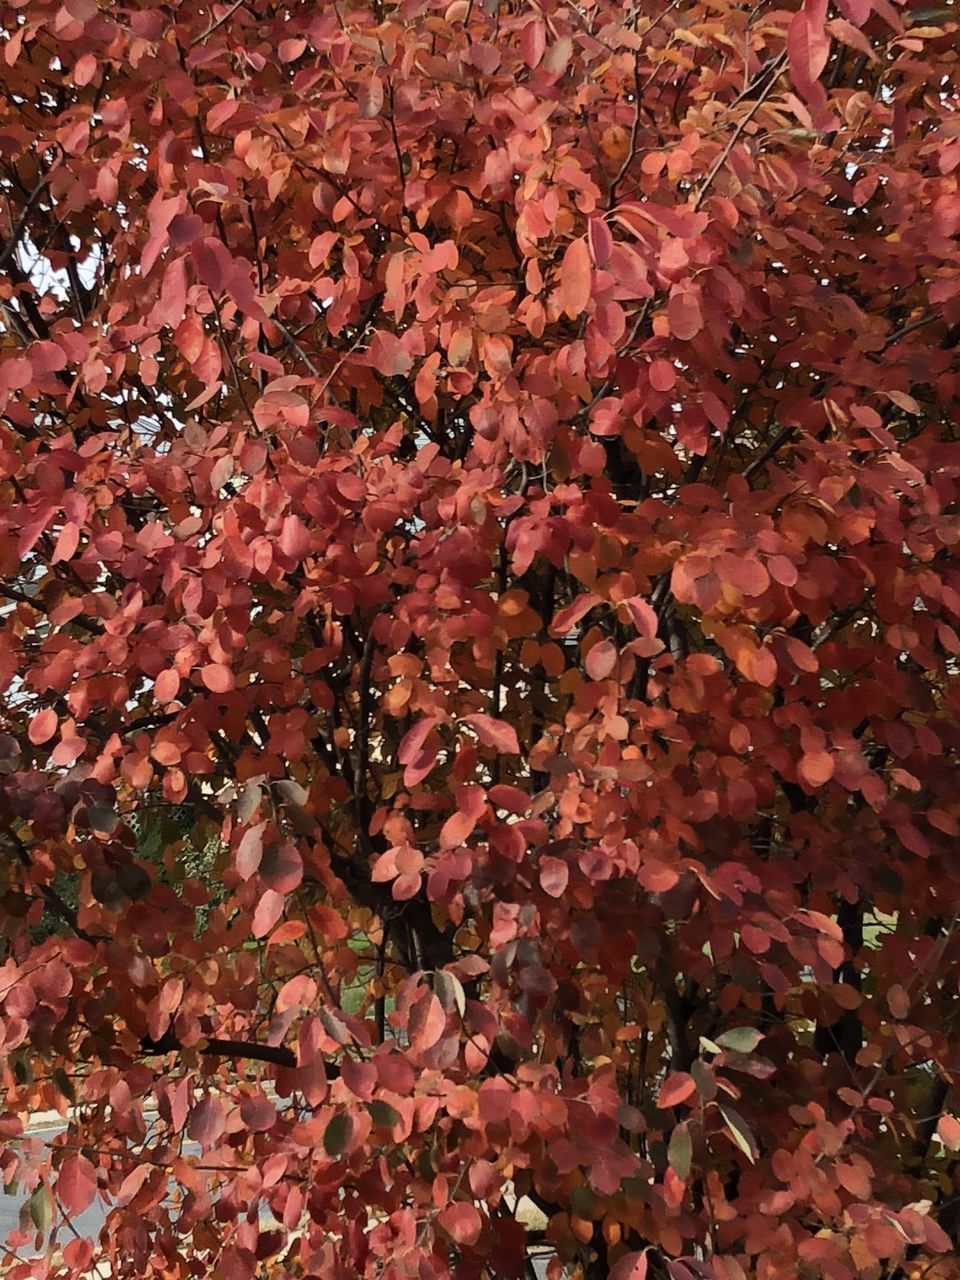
461,1221
132,1183
663,376
49,357
167,685
533,42
213,263
414,739
299,991
684,315
388,355
575,278
808,44
258,1113
282,868
370,96
898,1000
172,303
207,1121
294,538
427,1023
567,618
290,50
499,735
76,1184
601,241
84,69
763,667
185,227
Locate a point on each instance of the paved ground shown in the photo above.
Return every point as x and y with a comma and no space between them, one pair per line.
45,1127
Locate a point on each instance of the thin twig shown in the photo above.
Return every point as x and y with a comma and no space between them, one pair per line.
217,23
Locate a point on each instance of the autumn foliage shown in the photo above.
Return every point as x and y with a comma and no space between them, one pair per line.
479,638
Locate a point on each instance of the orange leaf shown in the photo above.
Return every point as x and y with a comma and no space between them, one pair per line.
575,278
217,677
675,1089
42,727
684,315
428,1021
816,768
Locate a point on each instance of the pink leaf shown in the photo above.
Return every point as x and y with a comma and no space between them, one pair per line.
250,851
601,660
268,912
294,538
948,1131
414,740
493,733
554,876
632,1266
644,616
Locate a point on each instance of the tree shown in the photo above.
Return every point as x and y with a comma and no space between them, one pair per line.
479,644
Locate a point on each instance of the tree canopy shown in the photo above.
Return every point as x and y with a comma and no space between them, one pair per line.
479,638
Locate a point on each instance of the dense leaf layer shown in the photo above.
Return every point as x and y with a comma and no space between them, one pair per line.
479,642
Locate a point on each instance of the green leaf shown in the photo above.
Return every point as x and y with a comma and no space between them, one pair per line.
41,1209
740,1039
582,1201
102,818
337,1134
64,1084
450,991
134,881
381,1113
939,13
740,1132
680,1151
